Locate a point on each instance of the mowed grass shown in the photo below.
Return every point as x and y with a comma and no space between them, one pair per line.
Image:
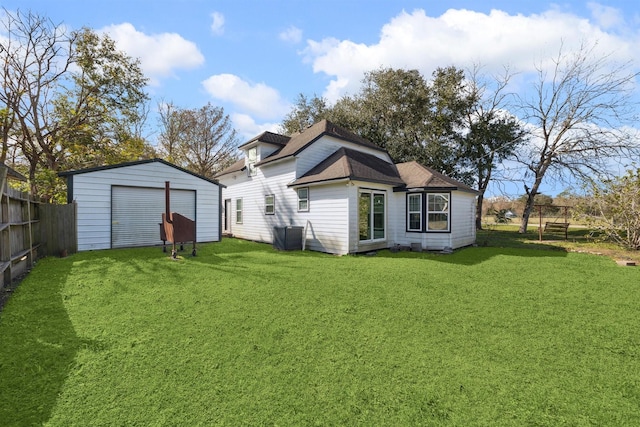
244,335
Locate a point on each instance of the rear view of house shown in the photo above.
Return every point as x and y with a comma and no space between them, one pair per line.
344,193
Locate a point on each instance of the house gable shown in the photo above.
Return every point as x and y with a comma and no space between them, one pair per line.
353,165
301,141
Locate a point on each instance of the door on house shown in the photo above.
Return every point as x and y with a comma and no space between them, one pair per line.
227,216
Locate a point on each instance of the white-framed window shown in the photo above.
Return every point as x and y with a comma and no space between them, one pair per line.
252,158
414,212
238,211
438,211
303,199
269,204
371,215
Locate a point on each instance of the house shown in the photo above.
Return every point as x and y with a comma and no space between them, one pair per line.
344,193
121,205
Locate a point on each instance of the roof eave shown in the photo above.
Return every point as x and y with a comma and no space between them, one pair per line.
318,182
273,161
432,189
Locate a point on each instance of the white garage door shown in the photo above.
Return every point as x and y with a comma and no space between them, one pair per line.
136,213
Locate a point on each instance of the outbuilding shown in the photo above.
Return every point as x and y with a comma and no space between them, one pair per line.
121,205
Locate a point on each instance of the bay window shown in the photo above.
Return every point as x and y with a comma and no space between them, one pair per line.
428,212
438,212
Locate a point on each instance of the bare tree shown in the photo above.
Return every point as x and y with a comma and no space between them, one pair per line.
68,99
579,109
172,128
201,140
36,55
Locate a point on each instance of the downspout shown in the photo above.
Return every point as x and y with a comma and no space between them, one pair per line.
220,212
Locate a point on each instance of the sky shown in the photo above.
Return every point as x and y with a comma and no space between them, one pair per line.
254,58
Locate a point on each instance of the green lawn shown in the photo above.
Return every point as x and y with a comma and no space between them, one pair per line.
244,335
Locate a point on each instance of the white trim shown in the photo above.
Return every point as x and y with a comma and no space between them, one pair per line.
240,211
373,193
409,211
271,205
446,211
306,199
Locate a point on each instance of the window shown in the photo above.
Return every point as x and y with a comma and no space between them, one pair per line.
269,204
252,158
371,219
303,199
238,211
414,212
437,212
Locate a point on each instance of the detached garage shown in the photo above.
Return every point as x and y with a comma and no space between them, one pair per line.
121,205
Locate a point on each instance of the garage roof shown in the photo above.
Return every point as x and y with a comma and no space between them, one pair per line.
139,162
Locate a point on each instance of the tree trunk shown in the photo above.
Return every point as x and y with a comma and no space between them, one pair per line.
479,211
528,207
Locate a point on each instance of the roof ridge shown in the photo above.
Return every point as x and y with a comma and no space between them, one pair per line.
346,160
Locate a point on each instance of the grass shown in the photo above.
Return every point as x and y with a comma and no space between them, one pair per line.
579,240
244,335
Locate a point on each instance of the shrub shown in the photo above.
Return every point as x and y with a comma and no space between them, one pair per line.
613,211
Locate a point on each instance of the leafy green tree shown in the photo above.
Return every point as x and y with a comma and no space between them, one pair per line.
202,140
305,113
613,209
389,111
412,118
492,135
99,115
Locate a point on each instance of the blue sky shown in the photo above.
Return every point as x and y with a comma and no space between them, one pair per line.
254,57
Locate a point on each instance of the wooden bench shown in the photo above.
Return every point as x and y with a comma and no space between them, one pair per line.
557,227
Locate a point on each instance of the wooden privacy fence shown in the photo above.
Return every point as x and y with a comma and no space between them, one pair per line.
30,229
58,229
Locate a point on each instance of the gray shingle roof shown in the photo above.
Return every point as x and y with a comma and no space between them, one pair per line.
299,142
133,163
416,175
236,167
351,164
354,165
269,138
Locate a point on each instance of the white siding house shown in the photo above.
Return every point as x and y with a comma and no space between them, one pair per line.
122,205
345,193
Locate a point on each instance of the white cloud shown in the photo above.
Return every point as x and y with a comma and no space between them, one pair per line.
291,35
160,54
248,128
254,98
606,16
461,38
217,23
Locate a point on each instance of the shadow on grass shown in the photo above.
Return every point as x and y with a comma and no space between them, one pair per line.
477,255
491,243
38,346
